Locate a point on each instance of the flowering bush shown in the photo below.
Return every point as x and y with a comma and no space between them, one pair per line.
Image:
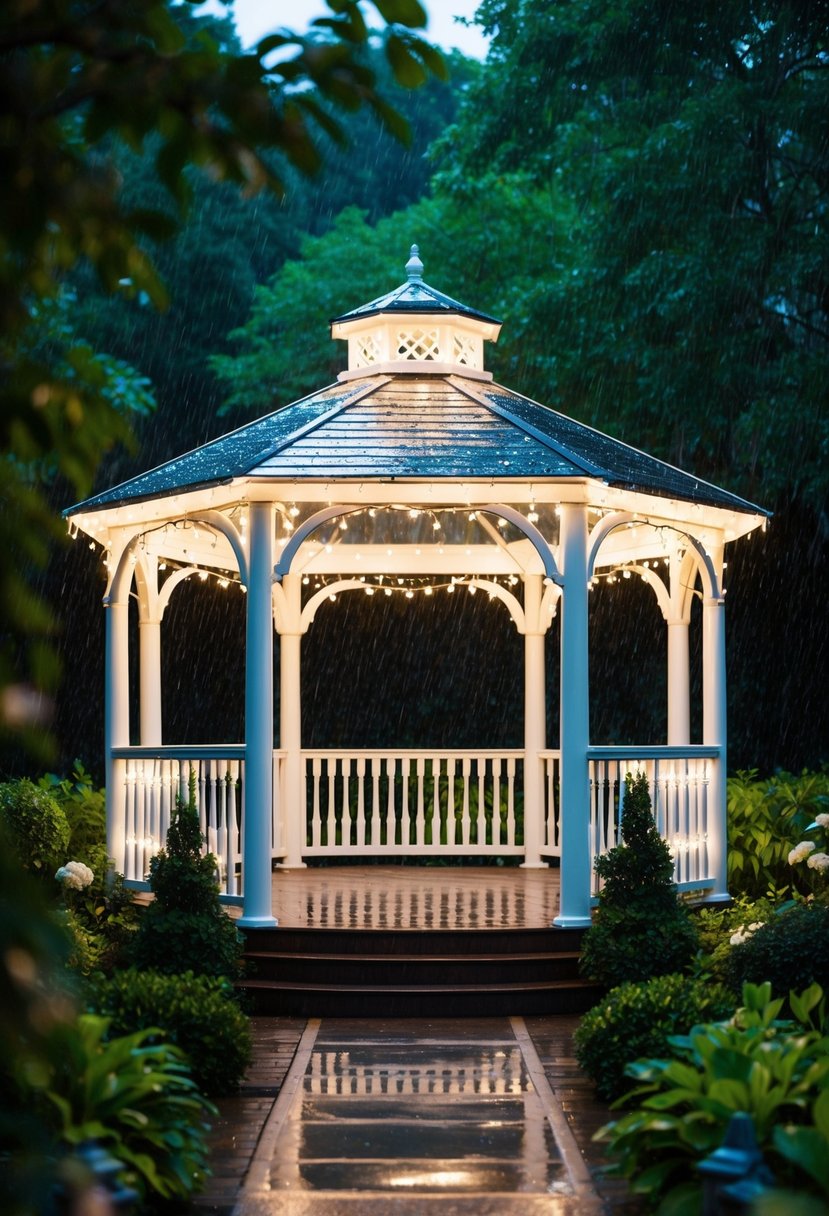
75,875
816,858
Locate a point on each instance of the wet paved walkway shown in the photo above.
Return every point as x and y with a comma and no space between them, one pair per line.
407,1117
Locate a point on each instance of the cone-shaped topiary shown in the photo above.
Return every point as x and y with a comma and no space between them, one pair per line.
185,927
641,929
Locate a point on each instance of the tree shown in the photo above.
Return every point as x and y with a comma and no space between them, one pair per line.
76,80
692,140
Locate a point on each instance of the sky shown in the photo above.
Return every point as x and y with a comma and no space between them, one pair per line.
255,18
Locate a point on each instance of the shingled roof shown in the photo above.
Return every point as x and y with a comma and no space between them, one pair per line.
414,427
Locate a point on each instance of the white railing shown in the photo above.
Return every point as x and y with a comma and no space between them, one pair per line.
415,803
679,779
419,803
147,783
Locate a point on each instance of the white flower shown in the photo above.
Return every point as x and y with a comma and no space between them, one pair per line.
801,851
822,820
744,933
818,861
75,875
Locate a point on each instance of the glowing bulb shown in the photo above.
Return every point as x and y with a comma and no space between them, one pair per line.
294,511
451,588
410,594
436,526
343,525
473,515
387,590
427,590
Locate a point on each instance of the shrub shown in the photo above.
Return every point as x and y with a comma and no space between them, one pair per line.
185,927
791,951
36,826
136,1095
637,1019
197,1012
85,810
101,917
766,819
772,1070
719,928
641,929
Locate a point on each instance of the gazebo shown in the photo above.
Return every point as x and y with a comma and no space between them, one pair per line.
415,474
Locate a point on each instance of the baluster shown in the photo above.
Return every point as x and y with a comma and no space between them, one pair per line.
391,810
480,822
449,837
466,769
511,766
420,812
140,820
405,808
361,801
376,821
316,813
331,812
349,835
436,829
495,821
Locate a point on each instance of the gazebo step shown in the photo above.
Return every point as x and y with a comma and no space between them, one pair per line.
364,972
421,1000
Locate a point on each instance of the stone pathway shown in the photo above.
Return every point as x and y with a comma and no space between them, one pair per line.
406,1117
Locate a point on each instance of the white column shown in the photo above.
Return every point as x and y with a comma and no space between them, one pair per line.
149,641
679,684
256,858
292,798
535,723
575,722
714,732
116,725
149,654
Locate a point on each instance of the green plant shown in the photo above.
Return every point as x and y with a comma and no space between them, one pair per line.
102,917
37,827
199,1013
772,1069
766,819
720,928
185,928
637,1020
790,951
85,808
136,1095
641,929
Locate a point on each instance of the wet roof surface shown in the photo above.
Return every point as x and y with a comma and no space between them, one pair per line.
415,296
416,426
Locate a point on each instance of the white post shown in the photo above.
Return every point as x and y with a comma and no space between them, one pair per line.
116,724
535,723
256,859
679,685
714,732
149,656
292,798
679,675
575,722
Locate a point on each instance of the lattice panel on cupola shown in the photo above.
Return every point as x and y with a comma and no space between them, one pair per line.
465,350
368,351
418,344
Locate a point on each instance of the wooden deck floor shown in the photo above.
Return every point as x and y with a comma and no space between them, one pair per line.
407,897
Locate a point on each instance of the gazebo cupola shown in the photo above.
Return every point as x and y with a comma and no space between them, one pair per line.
415,325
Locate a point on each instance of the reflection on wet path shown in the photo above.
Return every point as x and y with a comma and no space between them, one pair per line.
403,897
434,1110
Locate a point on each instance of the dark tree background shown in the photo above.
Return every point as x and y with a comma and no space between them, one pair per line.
640,190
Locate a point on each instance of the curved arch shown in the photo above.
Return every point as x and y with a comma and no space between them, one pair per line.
221,524
532,534
496,591
148,608
170,584
325,593
550,598
621,519
118,590
283,566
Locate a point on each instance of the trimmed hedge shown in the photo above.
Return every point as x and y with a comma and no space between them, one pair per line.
197,1012
636,1020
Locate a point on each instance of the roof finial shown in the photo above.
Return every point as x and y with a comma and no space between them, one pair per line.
414,266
